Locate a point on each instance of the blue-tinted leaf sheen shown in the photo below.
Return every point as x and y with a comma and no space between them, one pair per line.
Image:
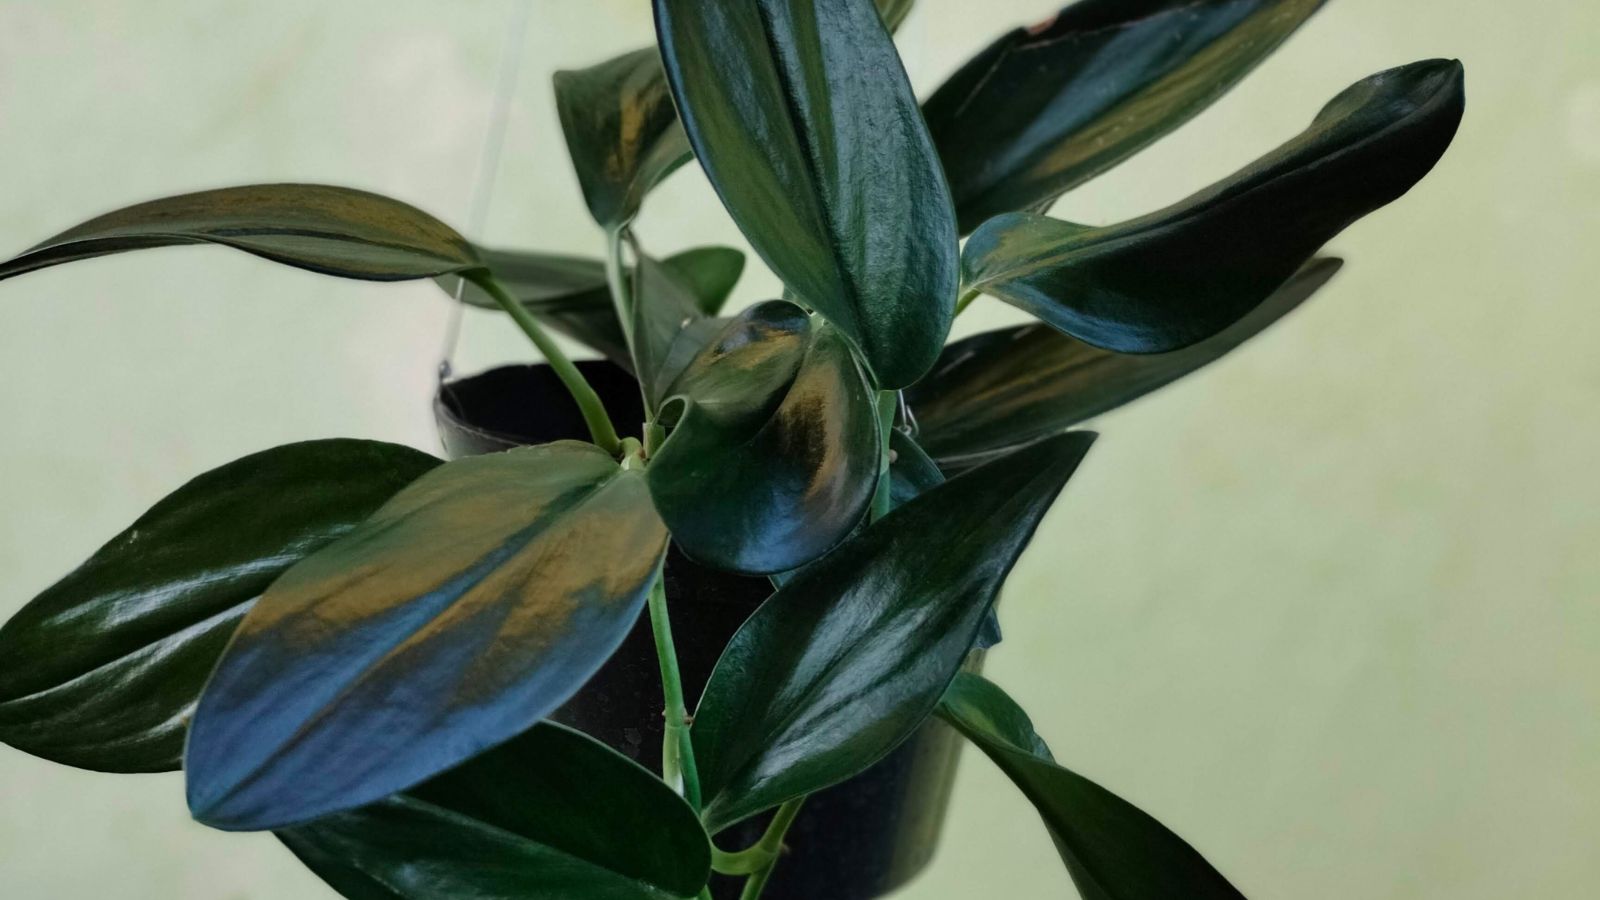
102,670
1046,108
472,604
1178,276
996,391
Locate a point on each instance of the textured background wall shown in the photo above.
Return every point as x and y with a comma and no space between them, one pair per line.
1328,609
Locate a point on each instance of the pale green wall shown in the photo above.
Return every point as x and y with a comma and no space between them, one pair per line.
1329,609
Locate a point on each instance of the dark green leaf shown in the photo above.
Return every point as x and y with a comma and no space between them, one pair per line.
710,273
850,655
996,391
569,293
1178,276
549,814
469,606
802,117
913,472
775,456
663,306
102,670
1044,109
332,230
1112,850
622,132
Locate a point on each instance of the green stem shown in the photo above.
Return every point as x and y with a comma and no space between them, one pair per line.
677,752
622,298
745,862
966,299
888,405
589,403
772,844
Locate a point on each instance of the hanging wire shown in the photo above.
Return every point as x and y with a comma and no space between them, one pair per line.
488,166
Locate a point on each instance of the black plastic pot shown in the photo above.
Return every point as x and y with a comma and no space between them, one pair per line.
855,841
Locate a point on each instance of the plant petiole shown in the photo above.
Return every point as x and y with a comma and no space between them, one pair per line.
593,409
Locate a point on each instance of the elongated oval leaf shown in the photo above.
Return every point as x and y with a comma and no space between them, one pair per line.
1044,109
102,670
569,293
850,655
774,459
1178,276
1112,849
332,230
550,813
998,390
622,132
473,603
663,306
912,472
802,117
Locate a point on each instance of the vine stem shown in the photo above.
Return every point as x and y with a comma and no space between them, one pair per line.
622,298
771,844
677,752
589,403
965,300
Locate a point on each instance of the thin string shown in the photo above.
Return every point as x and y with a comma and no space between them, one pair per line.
488,167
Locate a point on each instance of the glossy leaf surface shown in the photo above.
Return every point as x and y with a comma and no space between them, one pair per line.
549,814
332,230
801,116
102,670
854,651
1112,849
996,391
622,132
569,293
775,456
473,603
1178,276
911,473
663,306
1046,108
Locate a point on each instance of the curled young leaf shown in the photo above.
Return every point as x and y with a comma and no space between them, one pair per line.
102,670
1112,850
1044,109
621,131
469,606
996,391
550,813
332,230
774,457
854,651
1180,275
802,117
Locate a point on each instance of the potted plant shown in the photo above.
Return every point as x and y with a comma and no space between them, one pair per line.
473,678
